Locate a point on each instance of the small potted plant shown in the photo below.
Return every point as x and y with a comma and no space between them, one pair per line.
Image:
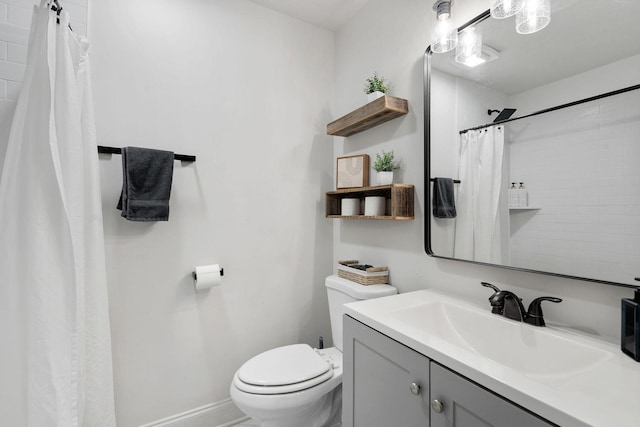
375,87
385,164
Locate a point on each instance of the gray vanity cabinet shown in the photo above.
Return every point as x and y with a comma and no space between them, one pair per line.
384,383
460,403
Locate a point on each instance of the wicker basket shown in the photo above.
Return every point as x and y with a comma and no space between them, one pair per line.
372,275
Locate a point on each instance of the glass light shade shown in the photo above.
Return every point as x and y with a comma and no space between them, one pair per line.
501,9
444,37
469,49
443,9
534,16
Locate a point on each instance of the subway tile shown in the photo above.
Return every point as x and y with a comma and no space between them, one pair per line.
75,2
13,90
13,33
17,53
248,423
22,3
19,16
3,12
79,28
3,50
77,14
3,89
11,71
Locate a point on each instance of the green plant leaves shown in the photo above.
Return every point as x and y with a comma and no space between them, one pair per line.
375,84
385,162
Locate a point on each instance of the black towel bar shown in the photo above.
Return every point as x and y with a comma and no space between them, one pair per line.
114,150
455,181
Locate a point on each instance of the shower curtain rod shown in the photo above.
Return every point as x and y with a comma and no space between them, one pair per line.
557,107
114,150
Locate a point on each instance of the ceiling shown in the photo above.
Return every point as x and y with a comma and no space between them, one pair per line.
328,14
582,35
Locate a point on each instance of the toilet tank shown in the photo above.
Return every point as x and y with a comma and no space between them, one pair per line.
342,291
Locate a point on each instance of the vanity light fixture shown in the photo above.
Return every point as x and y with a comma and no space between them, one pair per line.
469,49
487,55
501,9
533,16
444,36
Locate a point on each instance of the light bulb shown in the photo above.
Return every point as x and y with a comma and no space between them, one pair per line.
534,16
444,37
469,49
505,8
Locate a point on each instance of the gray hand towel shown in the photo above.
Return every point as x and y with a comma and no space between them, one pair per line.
146,184
444,205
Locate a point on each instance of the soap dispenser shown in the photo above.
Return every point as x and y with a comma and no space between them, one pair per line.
523,196
513,196
630,336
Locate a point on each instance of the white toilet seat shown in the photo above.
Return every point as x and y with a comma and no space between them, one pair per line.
283,370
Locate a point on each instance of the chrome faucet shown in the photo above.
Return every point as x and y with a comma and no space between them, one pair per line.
507,304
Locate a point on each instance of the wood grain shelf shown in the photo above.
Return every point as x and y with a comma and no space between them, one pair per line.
372,114
400,204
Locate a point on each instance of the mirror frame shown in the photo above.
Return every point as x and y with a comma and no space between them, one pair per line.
427,178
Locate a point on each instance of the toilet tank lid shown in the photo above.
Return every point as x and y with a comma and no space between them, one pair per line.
358,291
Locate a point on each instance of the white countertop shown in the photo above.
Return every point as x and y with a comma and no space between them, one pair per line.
605,394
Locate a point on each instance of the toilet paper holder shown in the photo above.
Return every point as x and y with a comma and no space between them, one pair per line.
195,276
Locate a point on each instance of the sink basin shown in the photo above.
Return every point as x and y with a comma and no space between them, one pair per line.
531,350
565,377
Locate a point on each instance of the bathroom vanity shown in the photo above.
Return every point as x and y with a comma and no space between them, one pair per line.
390,384
425,358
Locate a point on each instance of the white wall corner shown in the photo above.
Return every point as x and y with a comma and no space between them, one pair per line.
220,414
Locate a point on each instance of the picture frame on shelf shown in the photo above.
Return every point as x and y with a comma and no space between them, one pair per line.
352,171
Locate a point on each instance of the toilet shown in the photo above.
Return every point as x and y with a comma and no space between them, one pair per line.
296,385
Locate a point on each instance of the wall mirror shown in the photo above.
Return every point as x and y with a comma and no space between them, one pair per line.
573,141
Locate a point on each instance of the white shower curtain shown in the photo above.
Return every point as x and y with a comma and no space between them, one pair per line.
55,357
482,223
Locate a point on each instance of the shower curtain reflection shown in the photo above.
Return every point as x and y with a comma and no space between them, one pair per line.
482,225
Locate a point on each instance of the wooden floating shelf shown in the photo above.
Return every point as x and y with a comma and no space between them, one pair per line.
372,114
400,204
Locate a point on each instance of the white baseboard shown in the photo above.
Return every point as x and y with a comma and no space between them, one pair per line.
219,414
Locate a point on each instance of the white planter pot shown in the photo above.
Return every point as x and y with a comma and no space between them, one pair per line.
384,178
374,95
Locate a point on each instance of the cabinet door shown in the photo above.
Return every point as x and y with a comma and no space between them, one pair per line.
385,384
465,404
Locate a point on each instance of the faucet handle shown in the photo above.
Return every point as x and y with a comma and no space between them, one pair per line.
495,308
534,313
489,285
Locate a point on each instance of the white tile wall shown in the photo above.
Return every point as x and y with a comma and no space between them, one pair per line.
591,211
15,20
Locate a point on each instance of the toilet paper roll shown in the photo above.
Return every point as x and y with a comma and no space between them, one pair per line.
374,206
350,207
207,276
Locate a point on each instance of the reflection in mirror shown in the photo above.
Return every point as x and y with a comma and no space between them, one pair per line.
573,142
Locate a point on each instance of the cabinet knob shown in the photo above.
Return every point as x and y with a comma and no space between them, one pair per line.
415,389
437,406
